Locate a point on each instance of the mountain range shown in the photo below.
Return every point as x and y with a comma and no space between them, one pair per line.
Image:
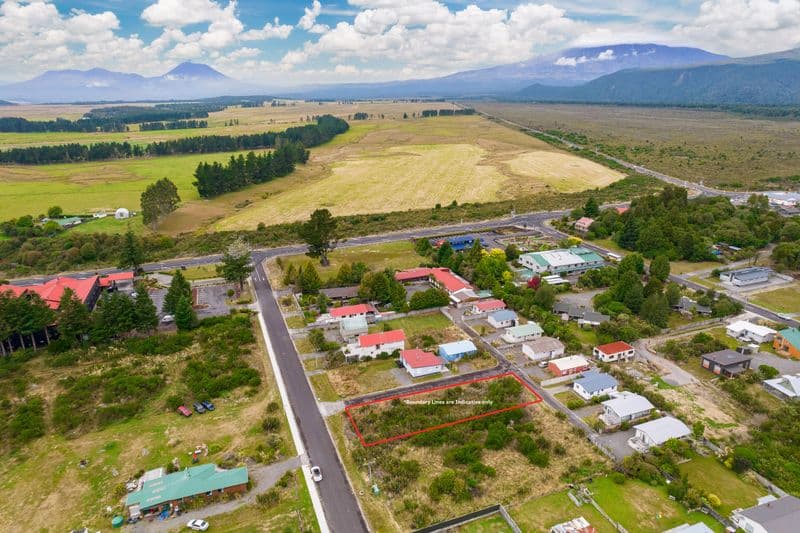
187,80
622,73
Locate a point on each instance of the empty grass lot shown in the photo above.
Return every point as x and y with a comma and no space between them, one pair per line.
783,300
641,508
323,388
709,475
415,325
542,513
364,377
490,524
398,255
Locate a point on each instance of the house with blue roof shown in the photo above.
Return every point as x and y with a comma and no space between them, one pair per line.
162,493
505,318
453,351
594,384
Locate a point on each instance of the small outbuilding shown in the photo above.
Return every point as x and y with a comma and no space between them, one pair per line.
453,351
419,363
122,214
505,318
594,385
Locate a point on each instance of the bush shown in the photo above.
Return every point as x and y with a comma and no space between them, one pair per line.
618,478
27,423
575,403
173,401
269,498
271,424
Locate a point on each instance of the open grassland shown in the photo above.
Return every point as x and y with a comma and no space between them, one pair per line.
383,164
389,165
783,300
723,149
44,489
398,255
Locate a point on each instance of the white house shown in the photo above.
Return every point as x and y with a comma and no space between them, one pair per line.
525,332
594,385
772,515
374,344
625,407
419,363
615,351
657,432
349,311
749,332
543,348
744,277
504,318
785,387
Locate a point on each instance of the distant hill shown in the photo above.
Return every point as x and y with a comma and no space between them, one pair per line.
4,103
567,67
187,80
749,81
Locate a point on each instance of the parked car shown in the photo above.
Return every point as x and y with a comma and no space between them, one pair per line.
199,407
197,525
208,405
167,319
182,410
543,364
316,473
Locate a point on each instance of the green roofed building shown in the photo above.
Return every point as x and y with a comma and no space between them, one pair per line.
158,494
562,261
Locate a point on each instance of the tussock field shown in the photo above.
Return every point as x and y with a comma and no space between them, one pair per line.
728,150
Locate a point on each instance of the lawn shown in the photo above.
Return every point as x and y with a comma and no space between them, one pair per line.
303,345
586,336
542,513
397,254
783,300
111,225
295,322
198,272
706,282
356,379
568,396
684,267
491,524
641,508
323,388
709,475
415,325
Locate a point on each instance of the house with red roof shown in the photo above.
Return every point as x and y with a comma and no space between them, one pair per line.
351,311
413,275
487,306
614,351
87,290
583,224
117,281
373,344
420,363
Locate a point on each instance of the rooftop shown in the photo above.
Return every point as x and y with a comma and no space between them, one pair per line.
188,482
571,361
596,381
789,384
628,403
341,292
358,309
726,357
792,336
779,516
663,429
699,527
493,303
746,274
544,344
384,337
52,290
531,328
420,359
412,273
458,347
354,323
615,347
448,280
107,280
503,315
742,325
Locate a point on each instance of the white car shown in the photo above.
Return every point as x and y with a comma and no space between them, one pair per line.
316,473
168,319
197,525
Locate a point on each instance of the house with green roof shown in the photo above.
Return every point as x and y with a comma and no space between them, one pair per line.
162,493
525,332
787,341
562,261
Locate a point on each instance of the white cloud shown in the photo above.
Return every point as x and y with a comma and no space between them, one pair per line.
345,69
180,13
309,18
606,55
744,27
271,30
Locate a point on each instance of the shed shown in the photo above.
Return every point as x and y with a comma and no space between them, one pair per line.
453,351
122,214
594,385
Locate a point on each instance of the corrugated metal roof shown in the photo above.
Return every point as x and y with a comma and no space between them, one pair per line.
663,429
596,381
190,482
458,347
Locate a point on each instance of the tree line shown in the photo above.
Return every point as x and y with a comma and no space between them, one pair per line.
309,135
425,113
173,125
22,125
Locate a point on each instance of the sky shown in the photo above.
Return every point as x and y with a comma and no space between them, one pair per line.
313,41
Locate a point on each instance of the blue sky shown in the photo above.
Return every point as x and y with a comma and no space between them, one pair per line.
308,41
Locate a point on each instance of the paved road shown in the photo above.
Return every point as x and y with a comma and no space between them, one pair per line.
339,503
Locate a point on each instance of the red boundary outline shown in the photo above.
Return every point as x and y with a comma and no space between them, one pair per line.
446,424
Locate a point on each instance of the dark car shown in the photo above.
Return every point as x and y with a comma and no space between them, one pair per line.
208,405
182,410
199,407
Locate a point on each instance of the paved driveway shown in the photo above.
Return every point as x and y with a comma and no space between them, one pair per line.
617,442
784,366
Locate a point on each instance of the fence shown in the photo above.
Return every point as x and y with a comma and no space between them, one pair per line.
470,517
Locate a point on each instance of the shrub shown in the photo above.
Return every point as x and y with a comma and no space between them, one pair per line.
575,403
271,424
618,478
269,498
27,423
173,401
